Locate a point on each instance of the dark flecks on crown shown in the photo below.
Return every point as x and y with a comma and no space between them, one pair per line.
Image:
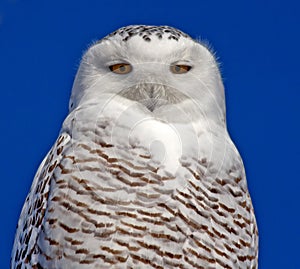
147,33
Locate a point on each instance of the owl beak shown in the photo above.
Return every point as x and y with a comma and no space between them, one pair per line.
147,94
152,104
152,95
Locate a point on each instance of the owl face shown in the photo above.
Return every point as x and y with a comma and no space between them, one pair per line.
159,68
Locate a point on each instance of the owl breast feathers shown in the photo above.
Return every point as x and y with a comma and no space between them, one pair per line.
143,173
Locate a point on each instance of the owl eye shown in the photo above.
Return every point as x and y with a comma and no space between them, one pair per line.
180,68
121,68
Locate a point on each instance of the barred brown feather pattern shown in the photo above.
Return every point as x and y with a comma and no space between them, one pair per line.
108,211
29,226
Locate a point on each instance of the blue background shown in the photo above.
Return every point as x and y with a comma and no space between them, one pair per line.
257,43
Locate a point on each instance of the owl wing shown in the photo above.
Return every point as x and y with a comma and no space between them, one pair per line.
24,250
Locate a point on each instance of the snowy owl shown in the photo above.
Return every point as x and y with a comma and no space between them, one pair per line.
143,173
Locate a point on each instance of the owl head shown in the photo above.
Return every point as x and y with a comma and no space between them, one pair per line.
159,69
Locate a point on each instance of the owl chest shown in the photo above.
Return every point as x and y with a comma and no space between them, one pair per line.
112,197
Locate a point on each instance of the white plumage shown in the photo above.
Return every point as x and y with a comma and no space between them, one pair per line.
143,173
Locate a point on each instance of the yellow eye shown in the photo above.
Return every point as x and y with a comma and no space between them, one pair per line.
121,68
180,68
